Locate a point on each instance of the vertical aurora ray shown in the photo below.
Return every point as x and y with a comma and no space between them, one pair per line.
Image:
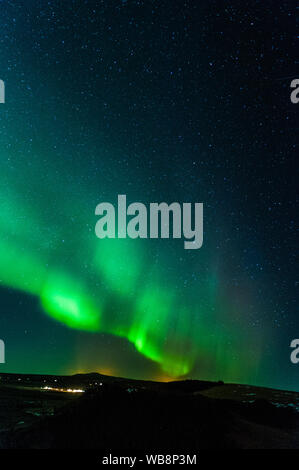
119,264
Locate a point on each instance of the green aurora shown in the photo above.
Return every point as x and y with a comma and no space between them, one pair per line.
111,286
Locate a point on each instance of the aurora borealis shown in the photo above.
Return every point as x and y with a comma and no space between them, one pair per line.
121,97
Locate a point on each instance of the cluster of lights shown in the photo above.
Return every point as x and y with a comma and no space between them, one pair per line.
68,390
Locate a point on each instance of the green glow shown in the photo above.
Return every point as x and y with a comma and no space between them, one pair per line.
66,301
118,262
116,286
20,269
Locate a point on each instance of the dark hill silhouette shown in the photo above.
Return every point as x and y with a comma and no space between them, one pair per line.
126,414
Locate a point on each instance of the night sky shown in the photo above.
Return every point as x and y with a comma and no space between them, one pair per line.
184,101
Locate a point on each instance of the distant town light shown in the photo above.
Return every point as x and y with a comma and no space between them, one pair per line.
68,390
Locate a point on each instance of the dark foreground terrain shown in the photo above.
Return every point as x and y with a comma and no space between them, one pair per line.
97,412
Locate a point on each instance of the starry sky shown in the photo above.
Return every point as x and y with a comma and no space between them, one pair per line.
182,101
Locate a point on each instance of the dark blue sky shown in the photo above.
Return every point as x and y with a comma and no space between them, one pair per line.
162,101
